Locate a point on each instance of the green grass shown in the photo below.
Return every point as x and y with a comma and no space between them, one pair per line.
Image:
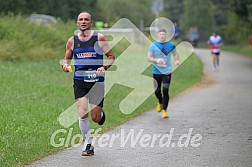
32,98
22,40
34,90
242,49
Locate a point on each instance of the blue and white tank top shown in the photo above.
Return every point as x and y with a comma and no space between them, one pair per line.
88,56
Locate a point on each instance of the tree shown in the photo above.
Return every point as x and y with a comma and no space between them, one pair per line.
173,9
64,9
240,24
221,12
243,9
198,13
135,11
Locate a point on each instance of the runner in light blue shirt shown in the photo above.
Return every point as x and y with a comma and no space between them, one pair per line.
159,54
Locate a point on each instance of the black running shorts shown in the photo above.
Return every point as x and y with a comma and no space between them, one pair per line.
93,91
216,53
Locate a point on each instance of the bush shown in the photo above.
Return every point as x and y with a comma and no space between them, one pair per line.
21,39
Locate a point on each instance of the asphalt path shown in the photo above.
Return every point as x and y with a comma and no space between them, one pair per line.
209,125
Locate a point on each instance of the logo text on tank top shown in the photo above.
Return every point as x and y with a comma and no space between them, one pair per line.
86,54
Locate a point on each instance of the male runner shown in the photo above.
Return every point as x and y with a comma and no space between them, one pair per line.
215,44
160,55
89,74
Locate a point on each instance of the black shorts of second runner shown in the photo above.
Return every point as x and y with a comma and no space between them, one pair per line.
93,91
216,53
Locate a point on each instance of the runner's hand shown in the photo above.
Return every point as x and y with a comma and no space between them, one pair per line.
65,68
100,71
160,61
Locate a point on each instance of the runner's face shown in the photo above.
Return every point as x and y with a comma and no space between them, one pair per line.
84,21
162,36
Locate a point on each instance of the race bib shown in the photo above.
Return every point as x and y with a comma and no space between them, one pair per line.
91,76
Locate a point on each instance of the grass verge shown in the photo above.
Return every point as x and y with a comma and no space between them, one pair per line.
244,50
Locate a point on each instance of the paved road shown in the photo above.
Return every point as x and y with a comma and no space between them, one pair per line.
220,112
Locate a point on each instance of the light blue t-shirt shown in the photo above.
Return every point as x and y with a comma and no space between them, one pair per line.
164,51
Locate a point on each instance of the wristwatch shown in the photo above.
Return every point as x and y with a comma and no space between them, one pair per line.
105,67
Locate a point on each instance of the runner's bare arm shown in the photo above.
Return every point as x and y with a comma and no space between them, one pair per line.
68,54
150,58
107,50
176,57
